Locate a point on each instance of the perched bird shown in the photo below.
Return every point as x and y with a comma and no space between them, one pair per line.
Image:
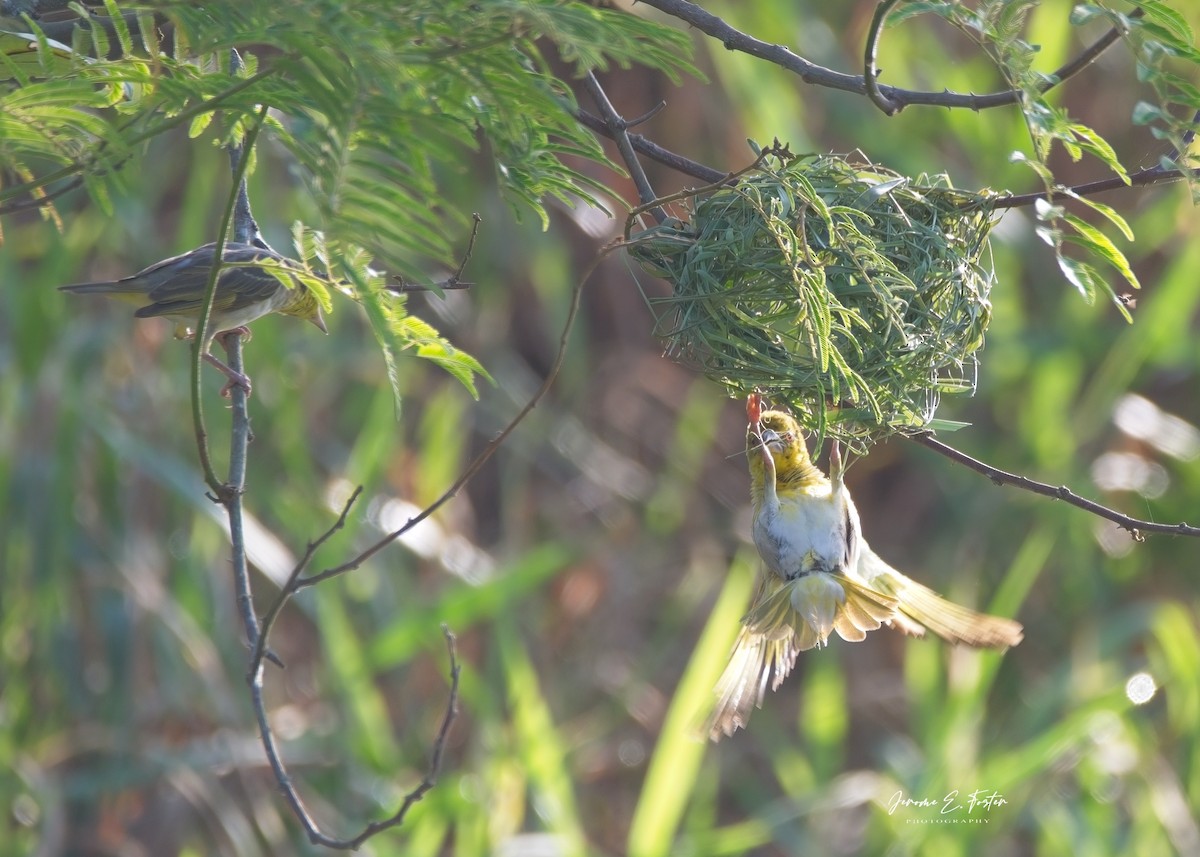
820,575
174,288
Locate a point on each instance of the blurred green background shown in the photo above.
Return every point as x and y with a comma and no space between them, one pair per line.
596,570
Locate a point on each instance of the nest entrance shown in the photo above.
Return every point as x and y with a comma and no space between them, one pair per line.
855,295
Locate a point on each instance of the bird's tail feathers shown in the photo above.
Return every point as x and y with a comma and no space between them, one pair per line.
921,608
786,618
104,287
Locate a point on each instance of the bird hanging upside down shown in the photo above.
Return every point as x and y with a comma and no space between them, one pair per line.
820,576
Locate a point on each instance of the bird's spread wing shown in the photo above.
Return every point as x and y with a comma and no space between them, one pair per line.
755,661
920,608
786,618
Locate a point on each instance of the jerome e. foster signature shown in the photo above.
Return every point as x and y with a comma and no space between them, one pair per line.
978,803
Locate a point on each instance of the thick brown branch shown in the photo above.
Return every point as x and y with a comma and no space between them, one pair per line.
811,73
870,67
1136,528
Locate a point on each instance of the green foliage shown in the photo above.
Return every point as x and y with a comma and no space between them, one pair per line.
372,101
1162,44
595,572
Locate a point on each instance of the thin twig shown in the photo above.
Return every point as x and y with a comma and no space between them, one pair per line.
620,134
454,281
289,587
1135,527
870,70
275,760
811,73
435,759
1141,178
488,451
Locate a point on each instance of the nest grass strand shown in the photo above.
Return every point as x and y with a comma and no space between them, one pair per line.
851,293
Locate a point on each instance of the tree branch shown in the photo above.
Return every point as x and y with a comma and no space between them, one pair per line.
655,152
297,581
1135,527
1141,178
619,131
435,758
811,73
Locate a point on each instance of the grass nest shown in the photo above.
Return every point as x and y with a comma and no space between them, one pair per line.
853,294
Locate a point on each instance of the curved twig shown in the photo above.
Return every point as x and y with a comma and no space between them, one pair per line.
288,789
1135,527
435,757
870,70
219,489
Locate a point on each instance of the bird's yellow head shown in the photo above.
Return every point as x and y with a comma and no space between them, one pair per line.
782,437
302,303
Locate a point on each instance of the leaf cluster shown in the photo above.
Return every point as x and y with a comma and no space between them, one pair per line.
372,100
1161,43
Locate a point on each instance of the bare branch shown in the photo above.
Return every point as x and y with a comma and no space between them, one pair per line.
289,587
620,133
655,152
288,788
455,280
1136,528
1141,178
435,759
201,343
811,73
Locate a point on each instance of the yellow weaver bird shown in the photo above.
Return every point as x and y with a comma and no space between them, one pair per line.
820,576
249,286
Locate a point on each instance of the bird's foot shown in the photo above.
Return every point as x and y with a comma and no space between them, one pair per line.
242,331
236,379
835,461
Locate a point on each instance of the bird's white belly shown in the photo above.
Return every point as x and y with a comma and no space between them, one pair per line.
798,535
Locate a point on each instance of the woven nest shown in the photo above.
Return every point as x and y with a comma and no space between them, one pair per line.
847,291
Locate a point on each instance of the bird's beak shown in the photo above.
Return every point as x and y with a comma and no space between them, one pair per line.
319,321
771,439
